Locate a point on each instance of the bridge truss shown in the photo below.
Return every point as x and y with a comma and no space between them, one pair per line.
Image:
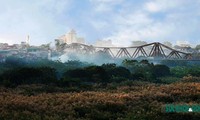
151,50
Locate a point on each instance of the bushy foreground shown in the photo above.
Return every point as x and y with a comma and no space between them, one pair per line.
138,101
134,90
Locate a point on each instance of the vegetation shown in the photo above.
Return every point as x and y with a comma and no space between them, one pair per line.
133,90
197,47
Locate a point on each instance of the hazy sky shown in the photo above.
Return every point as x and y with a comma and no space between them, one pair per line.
122,21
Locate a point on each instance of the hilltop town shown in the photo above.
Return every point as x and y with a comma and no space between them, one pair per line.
63,43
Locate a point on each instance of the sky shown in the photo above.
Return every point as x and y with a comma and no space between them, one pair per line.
122,21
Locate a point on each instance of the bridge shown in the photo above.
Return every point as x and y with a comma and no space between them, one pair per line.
151,50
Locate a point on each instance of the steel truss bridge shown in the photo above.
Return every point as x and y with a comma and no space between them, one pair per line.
151,50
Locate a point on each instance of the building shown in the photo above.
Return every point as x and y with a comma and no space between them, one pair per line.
169,44
185,45
103,43
71,37
138,43
4,45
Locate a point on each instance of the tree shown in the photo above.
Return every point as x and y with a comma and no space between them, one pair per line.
28,75
161,70
114,71
74,64
77,73
15,61
57,44
97,74
173,63
197,47
88,74
109,66
127,62
46,46
146,62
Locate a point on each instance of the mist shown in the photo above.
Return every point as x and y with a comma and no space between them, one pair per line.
97,58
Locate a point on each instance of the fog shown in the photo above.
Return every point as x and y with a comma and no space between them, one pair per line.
98,58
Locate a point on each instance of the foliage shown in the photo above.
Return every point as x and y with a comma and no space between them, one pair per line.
88,74
116,71
15,61
133,90
76,64
179,71
169,79
185,71
197,47
143,101
43,75
146,71
174,63
190,78
161,70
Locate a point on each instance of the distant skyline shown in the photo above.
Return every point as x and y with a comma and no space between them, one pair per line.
122,21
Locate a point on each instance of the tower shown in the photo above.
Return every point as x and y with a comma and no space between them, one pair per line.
28,40
72,36
49,55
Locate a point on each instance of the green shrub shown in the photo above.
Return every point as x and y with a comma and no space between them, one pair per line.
168,80
27,75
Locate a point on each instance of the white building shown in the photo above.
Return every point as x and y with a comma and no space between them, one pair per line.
103,43
71,37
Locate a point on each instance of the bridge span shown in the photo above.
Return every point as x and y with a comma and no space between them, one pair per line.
151,50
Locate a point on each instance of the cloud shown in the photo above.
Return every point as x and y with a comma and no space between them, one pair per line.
156,21
35,18
180,42
162,6
122,21
105,5
99,25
